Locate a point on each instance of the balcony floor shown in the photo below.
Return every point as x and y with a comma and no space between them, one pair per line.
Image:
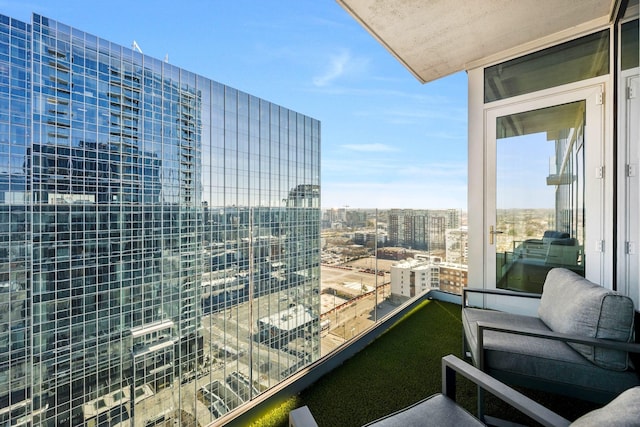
401,367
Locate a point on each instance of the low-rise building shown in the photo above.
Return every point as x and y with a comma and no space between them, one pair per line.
414,276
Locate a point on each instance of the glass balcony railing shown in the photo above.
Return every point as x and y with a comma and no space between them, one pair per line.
385,369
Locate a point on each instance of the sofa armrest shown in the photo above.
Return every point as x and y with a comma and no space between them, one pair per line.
499,292
301,417
452,365
595,342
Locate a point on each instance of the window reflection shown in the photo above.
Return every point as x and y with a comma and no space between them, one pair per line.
572,61
540,201
136,223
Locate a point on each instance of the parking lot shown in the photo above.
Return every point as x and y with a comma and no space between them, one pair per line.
361,271
348,301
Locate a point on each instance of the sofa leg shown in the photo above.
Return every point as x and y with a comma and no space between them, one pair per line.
481,404
466,353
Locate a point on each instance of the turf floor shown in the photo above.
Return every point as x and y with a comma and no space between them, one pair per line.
399,368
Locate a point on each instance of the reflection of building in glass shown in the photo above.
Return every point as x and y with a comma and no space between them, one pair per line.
92,173
280,328
148,218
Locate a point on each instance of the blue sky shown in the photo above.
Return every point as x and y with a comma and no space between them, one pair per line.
387,140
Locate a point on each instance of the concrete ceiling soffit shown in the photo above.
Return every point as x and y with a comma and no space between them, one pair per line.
436,38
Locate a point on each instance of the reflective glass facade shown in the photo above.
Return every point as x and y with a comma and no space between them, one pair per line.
159,236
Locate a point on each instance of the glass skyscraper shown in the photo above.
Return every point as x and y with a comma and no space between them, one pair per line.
159,236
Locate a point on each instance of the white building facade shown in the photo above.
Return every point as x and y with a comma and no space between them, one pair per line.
413,277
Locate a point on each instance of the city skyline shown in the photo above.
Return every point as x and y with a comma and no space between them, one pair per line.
314,58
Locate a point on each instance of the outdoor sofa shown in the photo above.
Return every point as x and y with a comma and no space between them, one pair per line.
578,345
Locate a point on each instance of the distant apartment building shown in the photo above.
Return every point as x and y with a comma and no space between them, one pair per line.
413,277
368,238
329,217
333,218
395,253
453,277
452,217
457,245
350,218
421,229
356,218
417,275
141,207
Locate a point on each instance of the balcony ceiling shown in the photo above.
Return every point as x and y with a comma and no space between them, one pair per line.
435,38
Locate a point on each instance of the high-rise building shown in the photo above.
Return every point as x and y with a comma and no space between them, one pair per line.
149,217
421,229
356,218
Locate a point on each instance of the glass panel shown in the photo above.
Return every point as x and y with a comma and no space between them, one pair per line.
629,45
152,260
573,61
539,195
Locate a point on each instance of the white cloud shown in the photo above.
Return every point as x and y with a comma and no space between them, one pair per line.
340,65
360,168
408,195
387,184
337,66
369,147
434,170
435,111
456,134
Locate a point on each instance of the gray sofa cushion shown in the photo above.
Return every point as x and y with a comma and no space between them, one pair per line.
437,410
623,411
573,305
492,340
537,359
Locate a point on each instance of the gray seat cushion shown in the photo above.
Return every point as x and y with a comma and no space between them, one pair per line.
539,359
437,410
493,340
573,305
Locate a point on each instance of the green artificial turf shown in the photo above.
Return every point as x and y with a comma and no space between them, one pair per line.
399,368
277,416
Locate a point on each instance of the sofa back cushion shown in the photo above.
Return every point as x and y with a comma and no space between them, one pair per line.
573,305
624,410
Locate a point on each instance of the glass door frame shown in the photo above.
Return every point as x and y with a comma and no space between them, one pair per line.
598,245
628,261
